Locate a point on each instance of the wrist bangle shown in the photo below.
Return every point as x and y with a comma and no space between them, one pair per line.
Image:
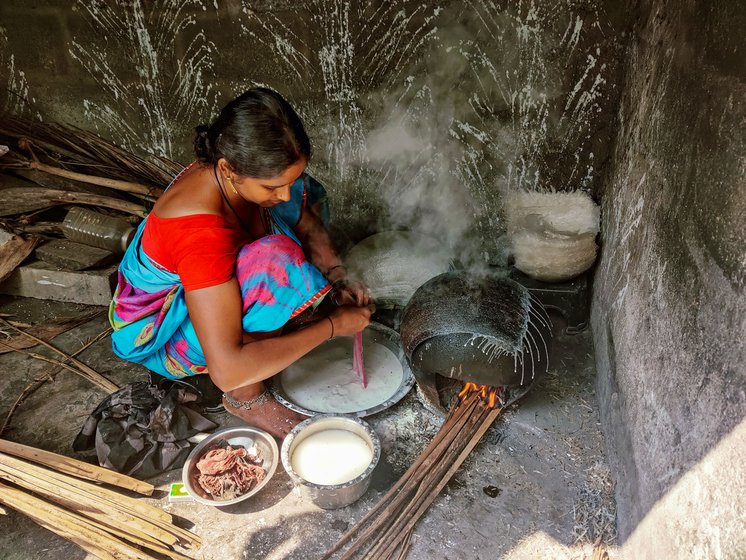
332,324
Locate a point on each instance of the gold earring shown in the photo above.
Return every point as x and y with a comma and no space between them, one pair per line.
230,182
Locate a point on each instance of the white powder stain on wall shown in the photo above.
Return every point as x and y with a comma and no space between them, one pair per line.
624,221
164,91
422,117
356,48
524,114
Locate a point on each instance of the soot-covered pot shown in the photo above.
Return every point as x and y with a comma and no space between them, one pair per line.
485,329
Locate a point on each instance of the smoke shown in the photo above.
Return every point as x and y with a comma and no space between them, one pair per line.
424,117
435,178
421,189
504,100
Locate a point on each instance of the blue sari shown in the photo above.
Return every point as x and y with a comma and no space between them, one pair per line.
149,314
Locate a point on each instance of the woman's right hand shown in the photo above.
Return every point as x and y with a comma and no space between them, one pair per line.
350,319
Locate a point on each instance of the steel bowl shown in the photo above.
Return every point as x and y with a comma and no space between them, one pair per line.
244,436
331,496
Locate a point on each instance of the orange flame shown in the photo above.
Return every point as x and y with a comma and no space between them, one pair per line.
486,393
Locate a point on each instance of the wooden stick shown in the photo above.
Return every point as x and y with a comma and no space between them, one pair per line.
116,184
70,526
48,330
485,425
138,541
453,417
160,549
20,200
421,467
383,537
98,380
39,381
75,467
405,546
92,374
381,540
69,497
108,498
136,507
52,229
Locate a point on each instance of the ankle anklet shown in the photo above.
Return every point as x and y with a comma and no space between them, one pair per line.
261,398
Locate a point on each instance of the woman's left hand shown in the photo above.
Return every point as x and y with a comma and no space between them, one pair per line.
351,292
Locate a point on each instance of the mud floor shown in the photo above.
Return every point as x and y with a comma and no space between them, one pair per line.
537,486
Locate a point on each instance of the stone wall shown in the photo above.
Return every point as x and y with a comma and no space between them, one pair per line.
421,113
669,310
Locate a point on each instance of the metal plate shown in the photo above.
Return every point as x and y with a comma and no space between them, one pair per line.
240,436
375,333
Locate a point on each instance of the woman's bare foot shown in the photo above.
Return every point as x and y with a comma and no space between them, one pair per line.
267,414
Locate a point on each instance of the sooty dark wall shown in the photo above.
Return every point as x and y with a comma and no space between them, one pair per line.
422,114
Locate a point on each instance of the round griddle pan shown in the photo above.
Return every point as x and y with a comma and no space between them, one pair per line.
484,329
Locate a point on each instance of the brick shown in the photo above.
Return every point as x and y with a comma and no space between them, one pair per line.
69,255
43,281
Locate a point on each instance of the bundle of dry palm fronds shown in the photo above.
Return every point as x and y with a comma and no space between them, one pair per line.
65,162
72,149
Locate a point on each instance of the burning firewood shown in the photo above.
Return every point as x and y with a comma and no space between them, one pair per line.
386,529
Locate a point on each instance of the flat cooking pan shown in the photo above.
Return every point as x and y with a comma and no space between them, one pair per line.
485,329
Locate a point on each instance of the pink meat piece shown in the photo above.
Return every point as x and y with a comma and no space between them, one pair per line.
220,460
228,472
233,483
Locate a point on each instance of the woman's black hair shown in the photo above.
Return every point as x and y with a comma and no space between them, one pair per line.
258,133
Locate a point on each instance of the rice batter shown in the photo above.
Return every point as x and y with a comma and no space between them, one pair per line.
331,457
324,381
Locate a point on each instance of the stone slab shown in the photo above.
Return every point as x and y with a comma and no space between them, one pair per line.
70,255
44,281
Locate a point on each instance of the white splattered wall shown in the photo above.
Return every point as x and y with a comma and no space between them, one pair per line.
422,114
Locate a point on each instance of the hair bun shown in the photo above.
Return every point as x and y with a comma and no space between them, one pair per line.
202,148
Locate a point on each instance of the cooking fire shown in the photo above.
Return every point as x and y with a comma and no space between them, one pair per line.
489,395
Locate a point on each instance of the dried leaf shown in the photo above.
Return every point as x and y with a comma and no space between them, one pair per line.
81,151
13,252
47,331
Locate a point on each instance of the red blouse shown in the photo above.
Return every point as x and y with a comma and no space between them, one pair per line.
201,248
